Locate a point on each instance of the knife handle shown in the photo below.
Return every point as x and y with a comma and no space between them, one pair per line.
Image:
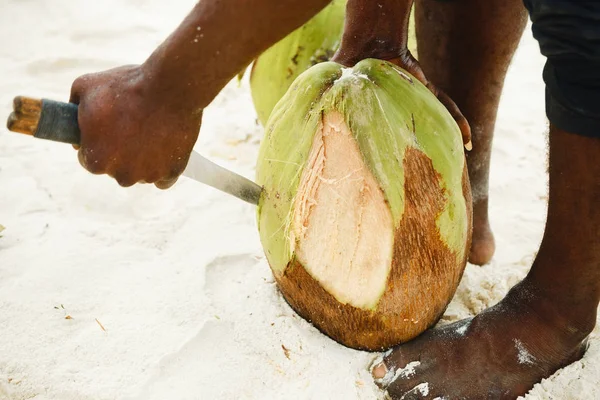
45,119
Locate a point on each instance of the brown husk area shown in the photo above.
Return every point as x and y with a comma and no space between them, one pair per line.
424,276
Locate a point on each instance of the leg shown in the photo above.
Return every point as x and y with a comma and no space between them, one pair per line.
542,324
465,48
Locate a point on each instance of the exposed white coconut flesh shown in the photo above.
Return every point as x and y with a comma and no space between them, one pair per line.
342,228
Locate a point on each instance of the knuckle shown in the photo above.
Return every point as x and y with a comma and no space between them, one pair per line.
166,176
95,168
174,174
152,177
91,161
124,179
78,87
165,183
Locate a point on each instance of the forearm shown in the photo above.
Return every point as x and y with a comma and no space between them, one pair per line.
217,40
374,29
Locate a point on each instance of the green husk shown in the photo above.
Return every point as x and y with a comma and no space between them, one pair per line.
387,110
314,42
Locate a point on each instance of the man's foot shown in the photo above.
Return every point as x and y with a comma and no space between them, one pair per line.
483,244
499,354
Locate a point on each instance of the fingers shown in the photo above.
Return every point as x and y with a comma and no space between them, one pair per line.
458,116
126,134
407,62
410,64
90,163
77,88
450,105
98,166
166,183
124,178
400,377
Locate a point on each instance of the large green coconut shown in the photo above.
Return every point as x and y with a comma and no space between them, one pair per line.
366,214
314,42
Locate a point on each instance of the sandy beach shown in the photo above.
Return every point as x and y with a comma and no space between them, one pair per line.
112,293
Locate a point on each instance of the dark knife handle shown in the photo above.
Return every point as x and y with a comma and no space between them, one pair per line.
45,119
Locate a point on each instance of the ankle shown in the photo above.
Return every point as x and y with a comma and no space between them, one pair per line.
572,321
566,272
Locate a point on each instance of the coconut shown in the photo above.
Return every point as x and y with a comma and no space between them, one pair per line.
366,214
274,70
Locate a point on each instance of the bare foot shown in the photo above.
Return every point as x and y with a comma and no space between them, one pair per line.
499,354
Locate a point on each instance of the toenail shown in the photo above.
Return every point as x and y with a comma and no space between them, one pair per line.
379,371
383,376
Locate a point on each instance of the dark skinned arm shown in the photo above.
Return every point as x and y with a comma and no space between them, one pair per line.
379,29
139,123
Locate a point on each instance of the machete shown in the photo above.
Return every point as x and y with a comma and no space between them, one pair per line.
57,121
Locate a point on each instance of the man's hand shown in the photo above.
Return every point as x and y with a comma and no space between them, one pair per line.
130,131
380,30
139,123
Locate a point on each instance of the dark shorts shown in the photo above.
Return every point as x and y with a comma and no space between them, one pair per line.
568,32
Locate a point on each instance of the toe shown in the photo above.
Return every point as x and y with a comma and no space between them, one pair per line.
409,382
419,391
379,371
394,372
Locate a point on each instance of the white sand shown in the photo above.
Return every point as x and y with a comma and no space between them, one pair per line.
178,278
